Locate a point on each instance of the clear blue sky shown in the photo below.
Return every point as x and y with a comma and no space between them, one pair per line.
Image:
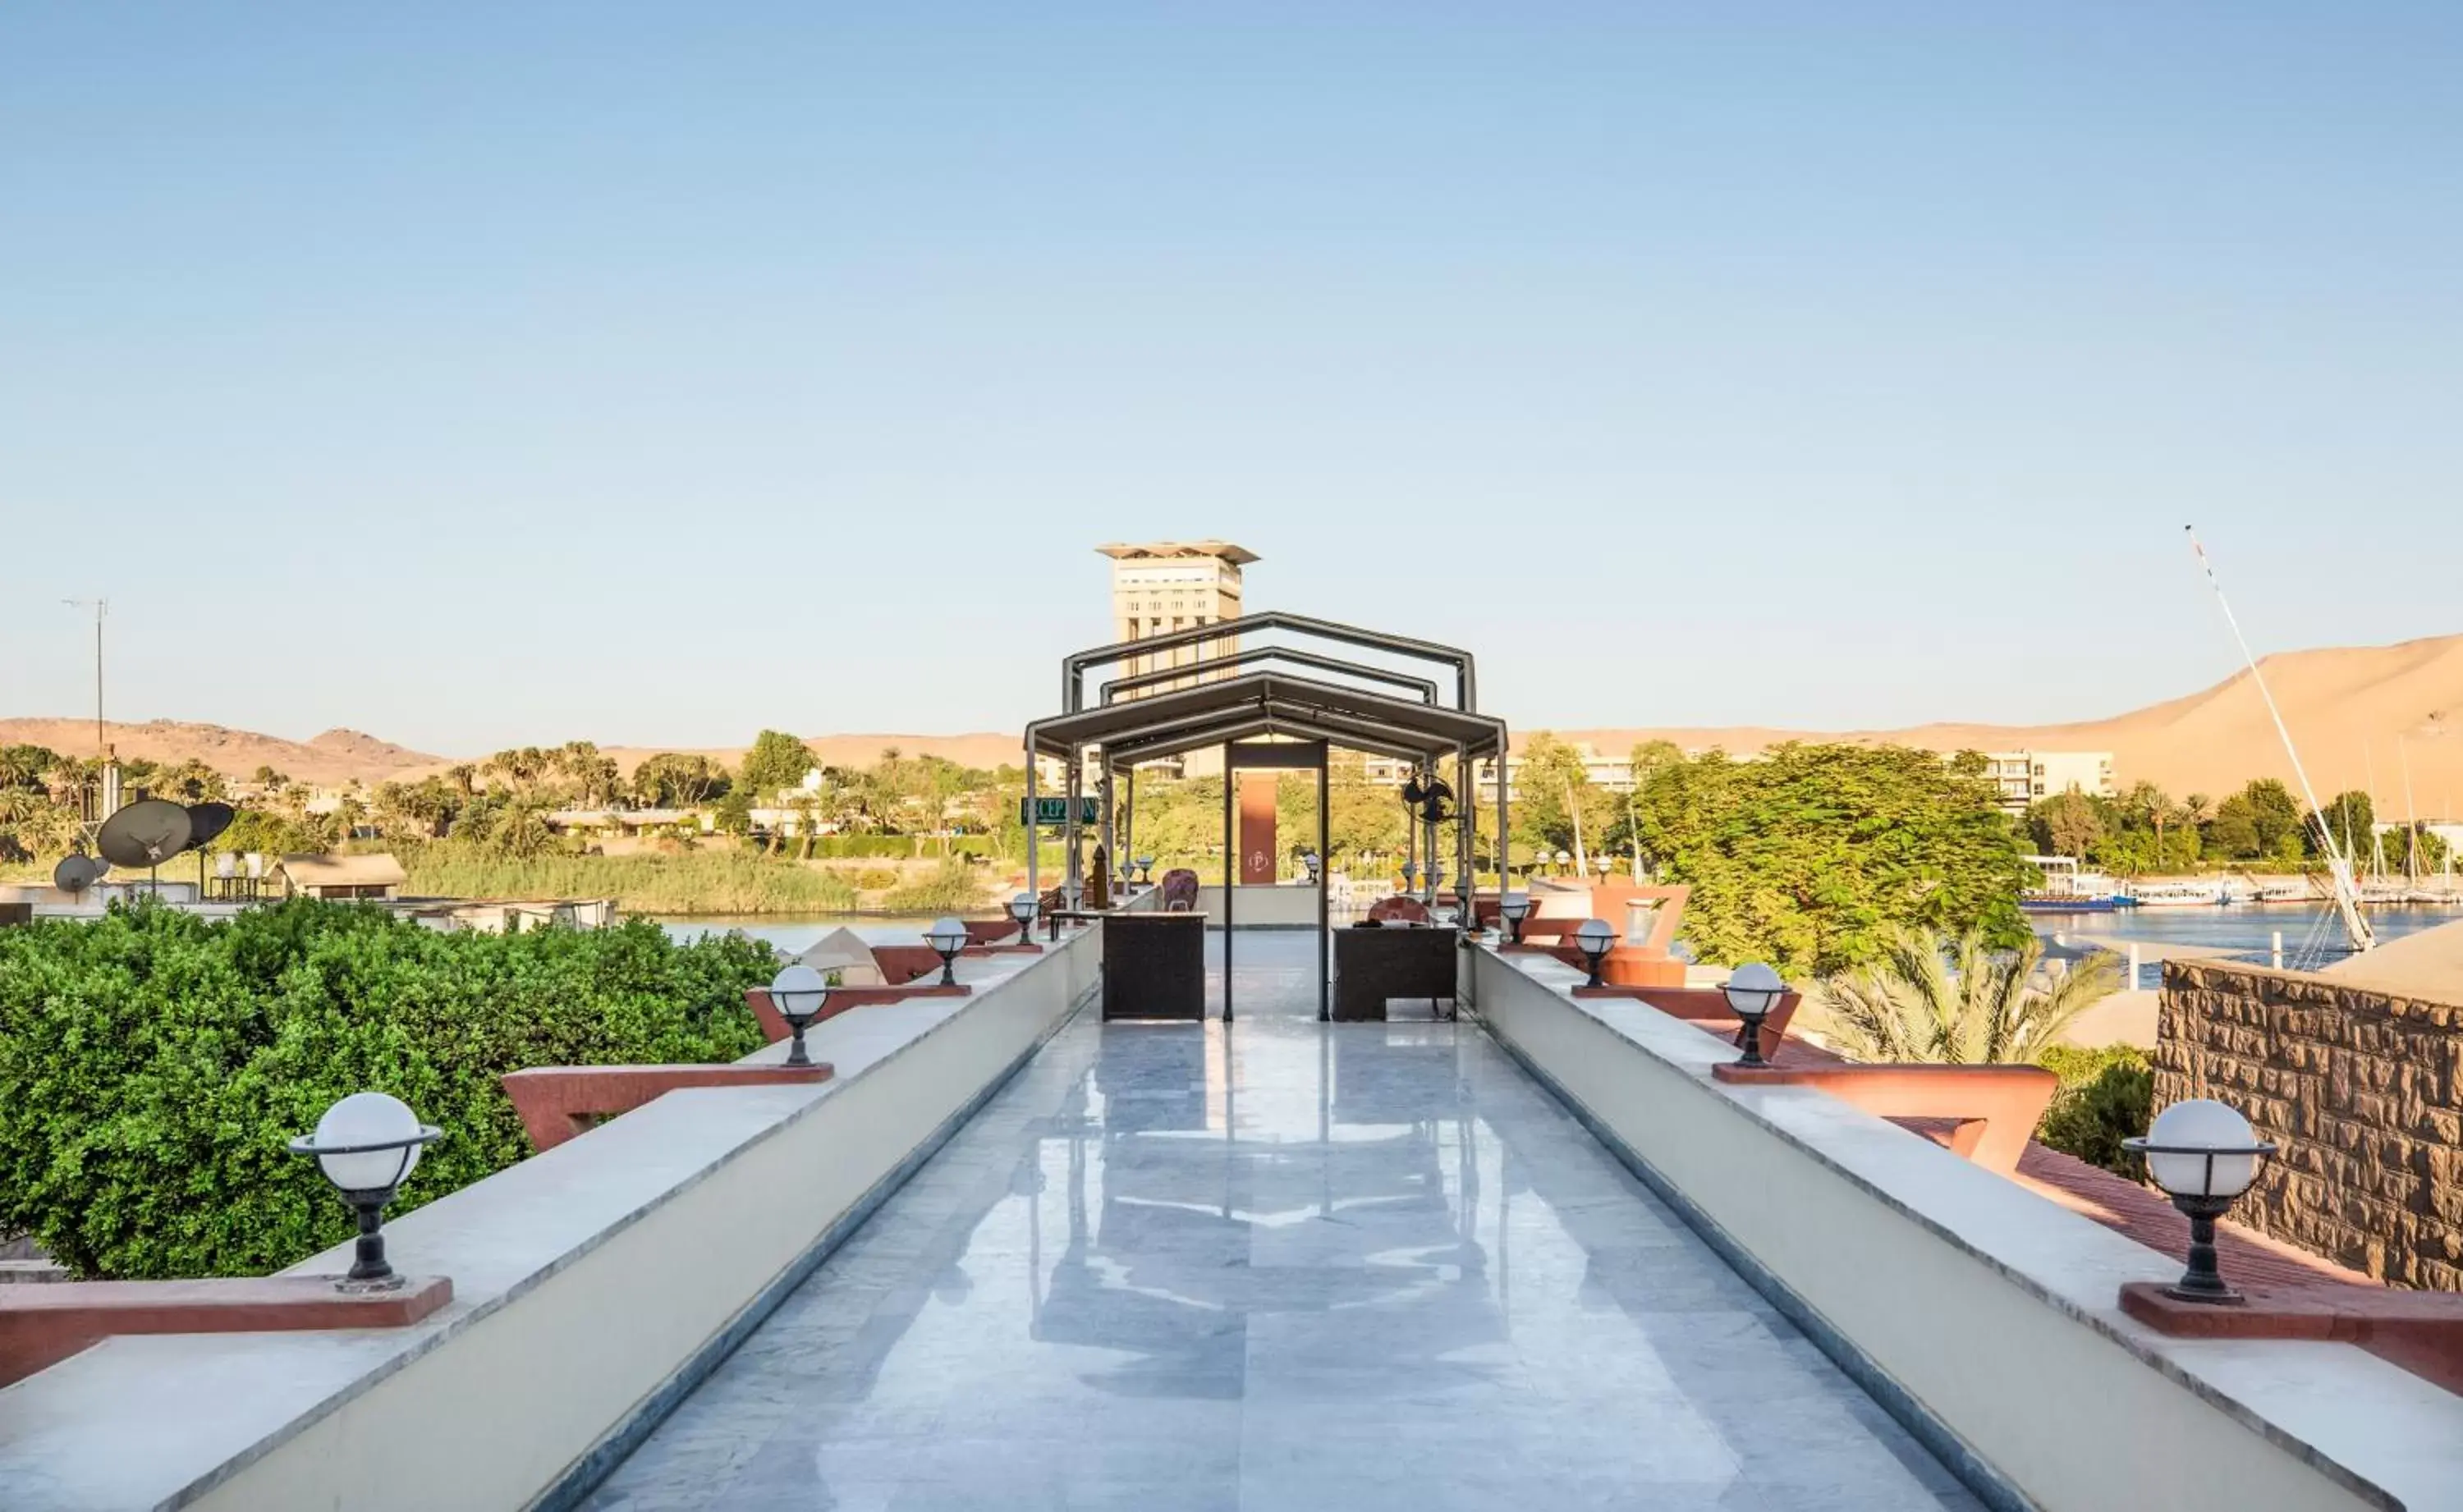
482,374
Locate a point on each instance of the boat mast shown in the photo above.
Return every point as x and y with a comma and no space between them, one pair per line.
2410,820
2356,927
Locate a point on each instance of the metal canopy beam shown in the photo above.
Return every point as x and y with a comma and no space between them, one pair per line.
1432,729
1425,687
1073,668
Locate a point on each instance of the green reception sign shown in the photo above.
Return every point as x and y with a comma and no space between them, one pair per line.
1055,810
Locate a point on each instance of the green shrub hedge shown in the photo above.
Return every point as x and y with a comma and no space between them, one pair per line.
152,1065
889,847
2106,1095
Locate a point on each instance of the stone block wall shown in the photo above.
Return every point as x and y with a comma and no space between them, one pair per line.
2362,1090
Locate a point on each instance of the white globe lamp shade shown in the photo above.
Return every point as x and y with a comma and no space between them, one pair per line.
368,1118
947,934
1564,859
1513,905
1595,936
2203,1124
1753,989
1022,907
797,991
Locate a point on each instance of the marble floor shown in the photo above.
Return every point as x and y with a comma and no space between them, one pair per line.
1302,1265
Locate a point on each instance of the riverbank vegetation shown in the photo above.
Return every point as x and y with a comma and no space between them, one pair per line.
2264,828
152,1065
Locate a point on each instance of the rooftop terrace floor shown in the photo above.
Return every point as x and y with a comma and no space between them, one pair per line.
1296,1266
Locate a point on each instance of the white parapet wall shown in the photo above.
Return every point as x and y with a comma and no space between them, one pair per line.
594,1285
1984,1315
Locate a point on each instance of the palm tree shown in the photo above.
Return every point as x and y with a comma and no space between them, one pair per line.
1953,1000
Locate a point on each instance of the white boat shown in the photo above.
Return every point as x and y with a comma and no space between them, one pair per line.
2182,895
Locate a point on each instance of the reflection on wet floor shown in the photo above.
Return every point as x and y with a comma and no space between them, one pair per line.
1303,1266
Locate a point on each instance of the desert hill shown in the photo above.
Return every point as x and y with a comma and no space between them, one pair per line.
2358,713
331,758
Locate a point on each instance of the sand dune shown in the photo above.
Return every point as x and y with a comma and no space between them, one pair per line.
2356,713
2359,714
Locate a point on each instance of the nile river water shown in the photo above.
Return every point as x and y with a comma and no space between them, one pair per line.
2313,933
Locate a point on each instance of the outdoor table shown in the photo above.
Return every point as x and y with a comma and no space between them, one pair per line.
1371,965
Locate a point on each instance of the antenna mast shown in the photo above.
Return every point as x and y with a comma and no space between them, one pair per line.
2339,866
100,607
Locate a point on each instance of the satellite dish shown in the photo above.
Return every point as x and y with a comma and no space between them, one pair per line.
75,874
147,832
206,820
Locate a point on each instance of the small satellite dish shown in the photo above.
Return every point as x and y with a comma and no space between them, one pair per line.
206,820
75,874
147,832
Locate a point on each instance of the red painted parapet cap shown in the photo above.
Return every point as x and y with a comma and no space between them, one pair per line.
558,1102
774,1029
2422,1331
1707,1009
42,1326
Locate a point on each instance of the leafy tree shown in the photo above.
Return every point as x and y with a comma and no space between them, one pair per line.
1811,855
192,781
1959,1000
2232,833
27,765
2351,819
676,780
523,769
734,815
776,761
1558,803
2066,824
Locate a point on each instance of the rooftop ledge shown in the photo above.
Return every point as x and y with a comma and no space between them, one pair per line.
1987,1314
718,1199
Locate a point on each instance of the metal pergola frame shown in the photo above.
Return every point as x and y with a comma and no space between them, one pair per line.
1125,730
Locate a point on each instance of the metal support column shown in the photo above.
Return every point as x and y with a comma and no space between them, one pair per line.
1230,878
1111,851
1324,886
1072,873
1466,805
1033,831
1128,816
1502,853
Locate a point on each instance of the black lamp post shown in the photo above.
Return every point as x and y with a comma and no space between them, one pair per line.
1021,911
1594,939
946,938
367,1144
1752,991
798,992
2204,1155
1513,908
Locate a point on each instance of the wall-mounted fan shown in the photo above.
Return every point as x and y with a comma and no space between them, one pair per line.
1431,799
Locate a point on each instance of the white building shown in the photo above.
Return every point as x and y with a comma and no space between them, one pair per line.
2026,776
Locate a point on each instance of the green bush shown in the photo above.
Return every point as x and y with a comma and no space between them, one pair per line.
2106,1095
152,1065
951,887
876,879
893,847
700,881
